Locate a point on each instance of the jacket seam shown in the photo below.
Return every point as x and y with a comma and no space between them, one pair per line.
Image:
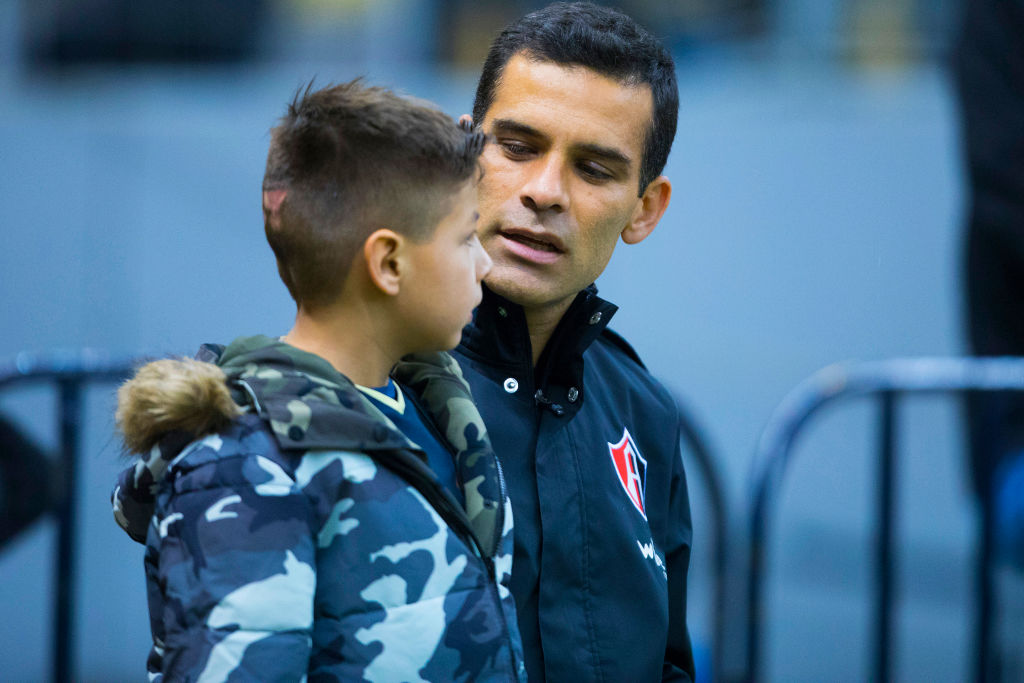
178,473
585,559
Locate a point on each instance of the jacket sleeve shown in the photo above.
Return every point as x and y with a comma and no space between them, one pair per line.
134,495
232,556
678,664
133,507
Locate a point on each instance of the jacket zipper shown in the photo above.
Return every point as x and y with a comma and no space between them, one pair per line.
486,556
503,496
494,584
441,439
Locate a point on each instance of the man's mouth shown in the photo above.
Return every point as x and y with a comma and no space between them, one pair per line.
538,243
531,247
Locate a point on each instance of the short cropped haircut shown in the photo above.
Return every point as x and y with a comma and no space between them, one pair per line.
347,160
602,39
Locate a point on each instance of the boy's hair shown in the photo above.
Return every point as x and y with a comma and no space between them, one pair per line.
602,39
347,160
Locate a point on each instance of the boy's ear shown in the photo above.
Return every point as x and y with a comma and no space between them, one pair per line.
382,252
649,210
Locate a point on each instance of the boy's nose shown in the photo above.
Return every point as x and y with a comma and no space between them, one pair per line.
484,264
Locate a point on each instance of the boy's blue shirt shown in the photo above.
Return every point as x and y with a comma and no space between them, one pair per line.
411,420
309,538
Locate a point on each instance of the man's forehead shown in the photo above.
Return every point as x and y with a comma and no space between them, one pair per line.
546,95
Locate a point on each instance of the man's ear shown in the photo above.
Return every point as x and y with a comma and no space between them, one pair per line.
649,210
382,251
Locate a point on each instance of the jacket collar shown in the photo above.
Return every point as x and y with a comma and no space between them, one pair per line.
310,405
436,379
305,401
499,337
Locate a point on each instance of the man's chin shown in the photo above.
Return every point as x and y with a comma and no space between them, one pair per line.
520,288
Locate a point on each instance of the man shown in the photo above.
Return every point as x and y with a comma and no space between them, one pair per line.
989,74
581,105
989,70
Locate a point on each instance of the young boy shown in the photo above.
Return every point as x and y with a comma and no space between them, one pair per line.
299,524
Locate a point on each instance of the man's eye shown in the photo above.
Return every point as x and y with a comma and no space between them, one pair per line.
593,172
516,149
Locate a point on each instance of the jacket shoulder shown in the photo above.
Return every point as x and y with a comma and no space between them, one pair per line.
616,340
617,352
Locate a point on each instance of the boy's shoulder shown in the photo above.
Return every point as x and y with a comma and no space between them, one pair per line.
241,452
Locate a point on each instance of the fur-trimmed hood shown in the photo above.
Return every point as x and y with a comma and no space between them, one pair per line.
164,406
165,396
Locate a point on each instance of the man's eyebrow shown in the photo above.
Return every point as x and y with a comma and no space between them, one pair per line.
609,154
512,126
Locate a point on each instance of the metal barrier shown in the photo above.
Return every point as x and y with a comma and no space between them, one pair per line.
697,446
70,372
888,380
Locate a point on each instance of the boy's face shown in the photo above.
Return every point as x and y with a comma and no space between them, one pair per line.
442,286
560,184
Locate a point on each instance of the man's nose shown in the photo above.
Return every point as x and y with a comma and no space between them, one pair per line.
545,188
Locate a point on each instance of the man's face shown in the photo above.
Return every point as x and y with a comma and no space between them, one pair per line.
560,184
443,283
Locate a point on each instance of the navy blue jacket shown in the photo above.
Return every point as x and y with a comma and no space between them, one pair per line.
589,443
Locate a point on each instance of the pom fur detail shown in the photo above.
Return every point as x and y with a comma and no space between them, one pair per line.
172,395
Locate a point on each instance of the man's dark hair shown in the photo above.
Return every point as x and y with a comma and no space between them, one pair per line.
347,160
602,39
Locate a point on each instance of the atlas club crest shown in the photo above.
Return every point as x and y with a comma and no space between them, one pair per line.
631,469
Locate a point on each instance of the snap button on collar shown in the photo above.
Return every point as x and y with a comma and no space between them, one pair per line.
511,385
596,318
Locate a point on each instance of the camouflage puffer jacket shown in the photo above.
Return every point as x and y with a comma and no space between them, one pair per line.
304,537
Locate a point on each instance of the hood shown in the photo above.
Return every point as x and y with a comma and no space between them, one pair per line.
167,404
167,396
170,403
306,403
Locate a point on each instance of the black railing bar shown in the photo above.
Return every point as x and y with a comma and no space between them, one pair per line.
698,446
98,366
64,632
847,380
885,542
985,670
69,371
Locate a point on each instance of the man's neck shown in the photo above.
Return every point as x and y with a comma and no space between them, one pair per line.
541,323
350,345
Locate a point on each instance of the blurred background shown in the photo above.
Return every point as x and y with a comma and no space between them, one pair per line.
817,216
